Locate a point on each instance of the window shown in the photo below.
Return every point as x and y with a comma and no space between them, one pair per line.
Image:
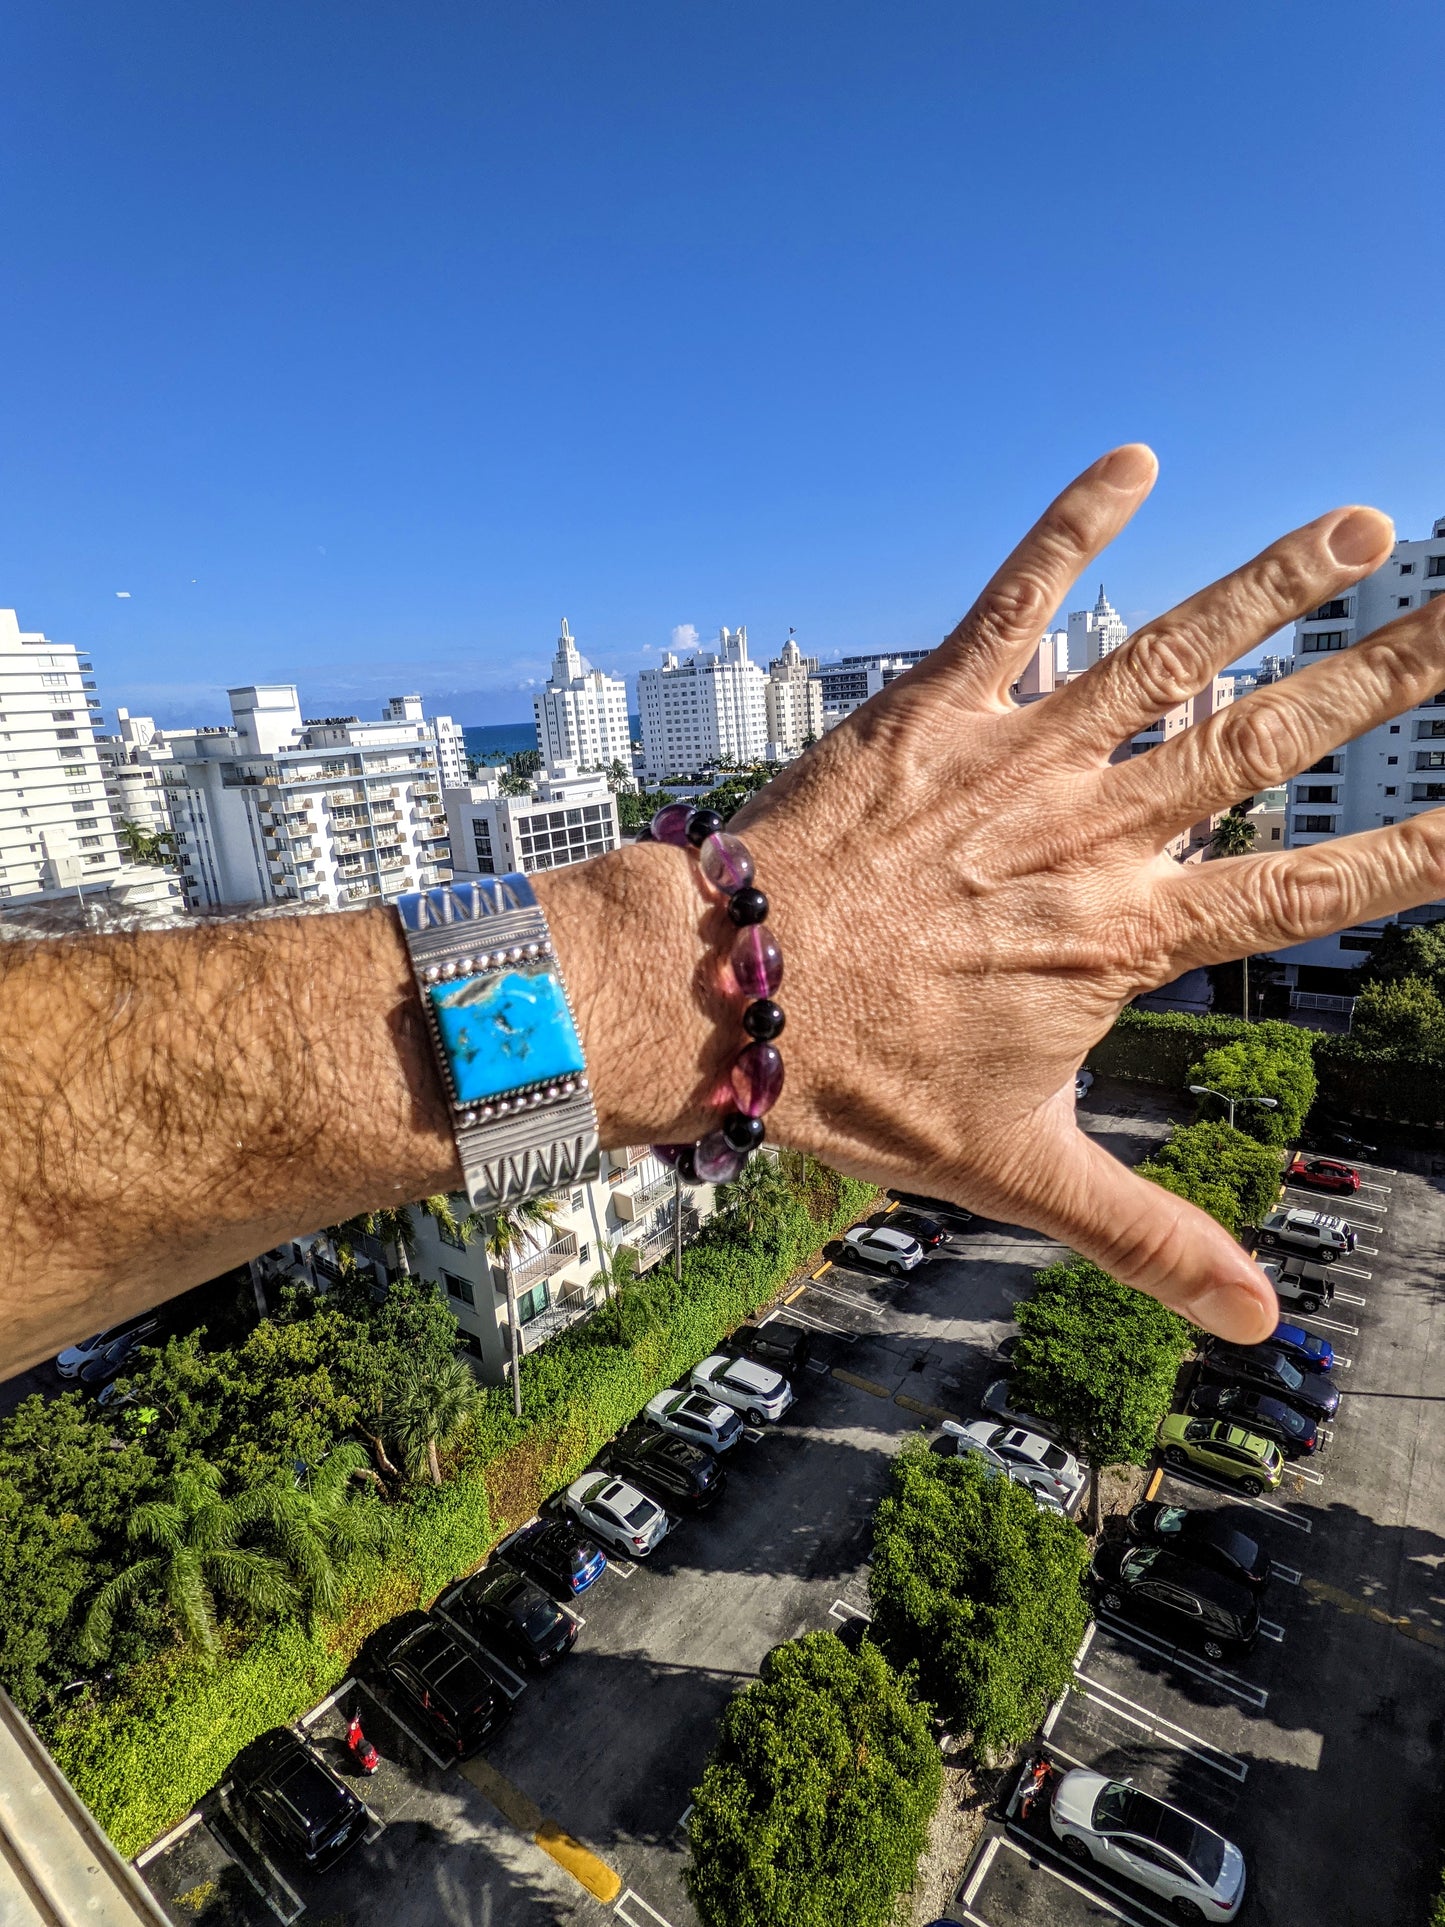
1313,825
1392,759
1407,568
1391,790
1435,564
577,1201
1394,729
1326,766
459,1288
62,715
1274,834
1345,942
1402,602
90,843
450,1237
61,735
74,769
1430,759
584,1254
1427,792
1323,639
469,1342
81,822
1317,793
1339,606
531,1303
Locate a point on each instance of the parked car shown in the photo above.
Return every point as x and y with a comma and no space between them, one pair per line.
445,1689
1308,1351
1189,1602
1322,1174
1006,1347
998,1398
1206,1538
696,1416
786,1348
1310,1234
557,1554
1225,1451
891,1251
138,1330
617,1514
1083,1084
969,1447
1295,1434
683,1476
1029,1457
1297,1282
101,1367
748,1387
1324,1132
512,1614
953,1215
1128,1832
1271,1371
931,1233
296,1799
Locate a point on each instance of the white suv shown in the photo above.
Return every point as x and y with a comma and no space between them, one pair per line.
892,1251
617,1513
1313,1234
748,1387
695,1416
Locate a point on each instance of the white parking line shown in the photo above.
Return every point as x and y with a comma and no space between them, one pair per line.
1242,1689
980,1872
853,1298
1272,1506
1058,1706
1370,1251
840,1609
624,1568
632,1899
1052,1863
192,1819
1350,1298
513,1685
1205,1751
232,1812
812,1322
395,1717
1352,1271
753,1433
1309,1476
1341,1363
1332,1325
1272,1630
817,1365
684,1816
1291,1575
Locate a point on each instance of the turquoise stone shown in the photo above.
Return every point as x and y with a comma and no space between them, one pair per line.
501,1033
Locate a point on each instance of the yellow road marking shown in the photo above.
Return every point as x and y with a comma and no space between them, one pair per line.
1154,1483
935,1412
1346,1602
827,1265
527,1817
862,1384
795,1294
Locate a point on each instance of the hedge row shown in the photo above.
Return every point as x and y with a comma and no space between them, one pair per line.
143,1757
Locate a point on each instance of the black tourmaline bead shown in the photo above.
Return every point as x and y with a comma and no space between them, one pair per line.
686,1166
701,825
742,1132
747,905
764,1019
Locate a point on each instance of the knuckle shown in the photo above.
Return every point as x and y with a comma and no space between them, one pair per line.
1260,743
1170,662
1287,579
1015,608
1300,897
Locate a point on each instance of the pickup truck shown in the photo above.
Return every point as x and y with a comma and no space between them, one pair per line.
1297,1282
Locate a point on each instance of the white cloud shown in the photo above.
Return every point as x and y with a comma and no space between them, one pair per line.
685,638
123,594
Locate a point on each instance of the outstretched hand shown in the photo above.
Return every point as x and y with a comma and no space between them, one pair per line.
968,891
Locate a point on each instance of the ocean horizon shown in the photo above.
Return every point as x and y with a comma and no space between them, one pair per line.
495,742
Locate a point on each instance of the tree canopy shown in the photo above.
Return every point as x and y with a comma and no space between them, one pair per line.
1407,950
1400,1019
1230,1175
1259,1066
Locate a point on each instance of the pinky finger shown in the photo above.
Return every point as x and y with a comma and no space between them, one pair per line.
1236,905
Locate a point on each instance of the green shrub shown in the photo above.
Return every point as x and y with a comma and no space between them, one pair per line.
814,1808
1232,1176
1257,1066
977,1594
1158,1047
1401,1021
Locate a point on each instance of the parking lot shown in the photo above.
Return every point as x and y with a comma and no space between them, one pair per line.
1323,1741
1318,1754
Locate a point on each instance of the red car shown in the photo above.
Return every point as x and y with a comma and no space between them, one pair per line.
1322,1174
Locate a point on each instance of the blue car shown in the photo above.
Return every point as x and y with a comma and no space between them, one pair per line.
1303,1347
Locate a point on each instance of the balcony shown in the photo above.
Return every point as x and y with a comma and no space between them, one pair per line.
632,1205
656,1245
570,1309
527,1269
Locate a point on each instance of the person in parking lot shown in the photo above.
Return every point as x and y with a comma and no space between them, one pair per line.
966,890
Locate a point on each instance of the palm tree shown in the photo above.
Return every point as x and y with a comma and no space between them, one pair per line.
518,1227
142,845
435,1406
757,1192
196,1561
1233,833
316,1527
392,1225
616,1272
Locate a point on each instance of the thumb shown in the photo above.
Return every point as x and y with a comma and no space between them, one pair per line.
1148,1237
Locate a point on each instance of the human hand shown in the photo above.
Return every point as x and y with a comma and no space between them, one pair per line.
967,891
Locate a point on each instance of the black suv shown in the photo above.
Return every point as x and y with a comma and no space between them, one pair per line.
1271,1371
504,1609
785,1348
680,1475
931,1233
444,1688
1187,1601
952,1216
299,1803
1203,1538
1259,1412
556,1553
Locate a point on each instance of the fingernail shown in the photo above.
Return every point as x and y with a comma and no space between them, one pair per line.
1128,468
1364,535
1232,1311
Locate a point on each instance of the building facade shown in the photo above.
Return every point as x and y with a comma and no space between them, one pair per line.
276,810
703,709
447,736
57,833
130,761
853,679
794,702
568,816
581,714
1095,633
1390,773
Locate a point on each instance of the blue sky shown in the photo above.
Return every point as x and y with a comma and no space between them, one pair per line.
360,340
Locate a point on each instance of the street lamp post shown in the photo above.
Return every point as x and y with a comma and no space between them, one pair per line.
1206,1090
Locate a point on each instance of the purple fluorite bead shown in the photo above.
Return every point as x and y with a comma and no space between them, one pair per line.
670,823
725,862
758,1078
669,1153
716,1160
757,961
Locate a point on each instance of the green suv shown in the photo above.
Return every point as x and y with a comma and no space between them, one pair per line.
1225,1451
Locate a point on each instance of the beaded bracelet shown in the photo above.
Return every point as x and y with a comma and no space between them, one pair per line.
757,967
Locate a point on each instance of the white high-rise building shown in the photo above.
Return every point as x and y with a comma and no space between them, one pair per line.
450,743
56,829
794,698
853,679
1095,633
581,715
131,761
277,810
1390,773
704,708
567,816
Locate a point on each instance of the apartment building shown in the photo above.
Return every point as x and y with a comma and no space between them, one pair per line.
130,762
273,809
1094,633
567,816
1385,776
703,709
853,679
581,714
794,702
447,736
57,833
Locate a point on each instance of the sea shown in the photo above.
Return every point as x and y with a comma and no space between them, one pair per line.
495,742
